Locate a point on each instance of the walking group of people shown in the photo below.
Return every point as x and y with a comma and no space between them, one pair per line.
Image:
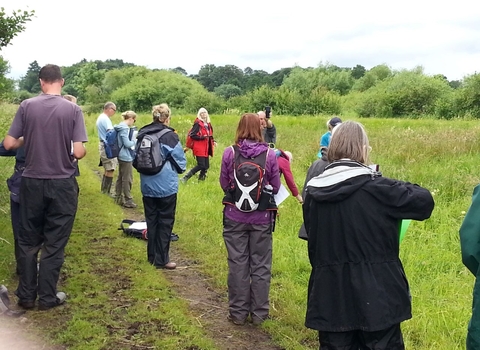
358,293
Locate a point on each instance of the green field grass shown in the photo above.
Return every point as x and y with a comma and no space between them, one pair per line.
439,155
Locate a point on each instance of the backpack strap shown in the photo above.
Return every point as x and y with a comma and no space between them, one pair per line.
125,221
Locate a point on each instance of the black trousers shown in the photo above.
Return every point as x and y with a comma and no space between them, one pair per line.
160,217
386,339
15,218
47,213
203,163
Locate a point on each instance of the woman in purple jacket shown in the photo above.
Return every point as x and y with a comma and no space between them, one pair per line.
248,233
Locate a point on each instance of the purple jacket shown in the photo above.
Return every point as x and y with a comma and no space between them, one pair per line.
272,176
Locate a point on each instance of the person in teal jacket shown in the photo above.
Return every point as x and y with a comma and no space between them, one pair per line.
123,186
470,245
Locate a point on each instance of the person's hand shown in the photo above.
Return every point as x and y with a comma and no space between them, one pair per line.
214,143
299,198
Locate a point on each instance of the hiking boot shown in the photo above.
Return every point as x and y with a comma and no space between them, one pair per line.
26,304
129,204
236,321
61,297
13,313
186,177
168,266
202,177
258,320
174,237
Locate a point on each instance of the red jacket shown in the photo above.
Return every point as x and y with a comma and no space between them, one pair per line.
285,169
202,138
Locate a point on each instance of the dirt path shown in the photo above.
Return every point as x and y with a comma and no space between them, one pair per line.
209,306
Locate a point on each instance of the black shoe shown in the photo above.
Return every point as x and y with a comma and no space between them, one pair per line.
236,321
4,298
61,297
28,304
174,237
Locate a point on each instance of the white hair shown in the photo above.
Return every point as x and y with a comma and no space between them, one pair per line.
289,155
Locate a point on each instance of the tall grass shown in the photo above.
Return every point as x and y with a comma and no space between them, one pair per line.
439,155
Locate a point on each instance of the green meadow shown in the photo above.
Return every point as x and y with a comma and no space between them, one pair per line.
439,155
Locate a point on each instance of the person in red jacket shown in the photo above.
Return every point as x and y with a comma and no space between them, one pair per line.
203,143
284,158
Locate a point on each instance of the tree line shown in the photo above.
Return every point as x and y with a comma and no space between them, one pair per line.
326,89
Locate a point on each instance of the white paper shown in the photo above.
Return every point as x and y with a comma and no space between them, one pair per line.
139,225
281,195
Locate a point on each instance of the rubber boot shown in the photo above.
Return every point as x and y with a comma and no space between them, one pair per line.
108,185
186,177
102,189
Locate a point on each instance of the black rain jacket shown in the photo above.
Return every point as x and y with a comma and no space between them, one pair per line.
352,215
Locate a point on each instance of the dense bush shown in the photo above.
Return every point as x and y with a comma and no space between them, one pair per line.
405,93
142,92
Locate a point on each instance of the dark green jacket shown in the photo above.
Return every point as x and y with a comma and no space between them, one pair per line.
470,245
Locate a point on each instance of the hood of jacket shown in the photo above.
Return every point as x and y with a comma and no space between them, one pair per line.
251,149
121,126
151,128
340,180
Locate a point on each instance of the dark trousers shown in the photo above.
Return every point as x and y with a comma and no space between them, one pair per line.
47,213
160,217
203,163
249,249
15,218
387,339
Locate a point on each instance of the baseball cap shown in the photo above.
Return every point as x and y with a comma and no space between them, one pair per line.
334,121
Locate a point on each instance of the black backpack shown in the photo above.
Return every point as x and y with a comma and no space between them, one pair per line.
138,229
148,156
249,180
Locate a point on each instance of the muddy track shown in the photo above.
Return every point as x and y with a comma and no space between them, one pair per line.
209,306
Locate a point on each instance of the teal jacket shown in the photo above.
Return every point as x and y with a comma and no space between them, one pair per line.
125,142
470,245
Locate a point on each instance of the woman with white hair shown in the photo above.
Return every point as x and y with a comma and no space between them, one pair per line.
358,293
203,143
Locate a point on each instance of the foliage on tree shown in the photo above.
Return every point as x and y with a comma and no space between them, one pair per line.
10,26
6,85
372,77
142,92
358,71
278,76
330,77
180,70
468,98
227,91
405,93
29,82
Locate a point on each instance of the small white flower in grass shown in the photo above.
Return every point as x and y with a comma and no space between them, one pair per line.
463,212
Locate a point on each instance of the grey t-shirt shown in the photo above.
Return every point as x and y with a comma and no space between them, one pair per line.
49,124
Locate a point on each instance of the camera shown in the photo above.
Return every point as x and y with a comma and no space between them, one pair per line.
268,109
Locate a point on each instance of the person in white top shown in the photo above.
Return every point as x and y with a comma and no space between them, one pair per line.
104,124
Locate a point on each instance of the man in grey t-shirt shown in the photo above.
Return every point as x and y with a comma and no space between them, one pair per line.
52,131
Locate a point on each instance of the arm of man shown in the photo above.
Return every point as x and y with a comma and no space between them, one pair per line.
11,143
79,150
6,153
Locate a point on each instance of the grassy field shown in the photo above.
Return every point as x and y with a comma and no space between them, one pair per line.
439,155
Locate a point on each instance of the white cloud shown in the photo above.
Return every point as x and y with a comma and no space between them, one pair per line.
268,35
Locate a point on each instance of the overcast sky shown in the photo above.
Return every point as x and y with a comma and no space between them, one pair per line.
443,37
